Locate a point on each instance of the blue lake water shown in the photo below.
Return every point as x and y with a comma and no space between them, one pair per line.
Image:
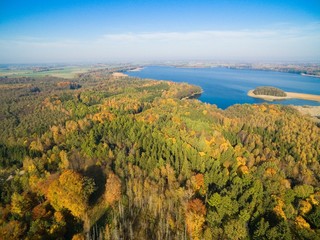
225,87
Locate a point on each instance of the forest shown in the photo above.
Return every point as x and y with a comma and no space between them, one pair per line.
104,157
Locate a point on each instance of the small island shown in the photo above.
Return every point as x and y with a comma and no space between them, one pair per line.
272,93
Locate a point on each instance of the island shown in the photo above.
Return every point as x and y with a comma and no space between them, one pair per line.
272,93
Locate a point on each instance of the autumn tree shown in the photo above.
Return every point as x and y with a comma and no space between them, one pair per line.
113,189
195,218
71,191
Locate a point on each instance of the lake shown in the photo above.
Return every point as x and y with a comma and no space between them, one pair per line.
225,87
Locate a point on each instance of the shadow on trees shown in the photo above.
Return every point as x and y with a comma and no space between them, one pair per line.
97,174
76,224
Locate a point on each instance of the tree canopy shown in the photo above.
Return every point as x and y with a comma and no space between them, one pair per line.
126,158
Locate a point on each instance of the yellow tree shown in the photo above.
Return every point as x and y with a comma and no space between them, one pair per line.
195,218
20,204
71,191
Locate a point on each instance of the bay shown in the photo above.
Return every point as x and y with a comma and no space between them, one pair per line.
225,87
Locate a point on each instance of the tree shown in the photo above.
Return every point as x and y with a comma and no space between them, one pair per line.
235,229
12,230
197,183
20,204
113,189
195,218
71,191
303,191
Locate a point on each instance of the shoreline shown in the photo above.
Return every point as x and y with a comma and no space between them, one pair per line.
138,69
309,75
290,95
193,95
119,74
313,111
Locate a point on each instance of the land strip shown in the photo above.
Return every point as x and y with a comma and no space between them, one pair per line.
290,95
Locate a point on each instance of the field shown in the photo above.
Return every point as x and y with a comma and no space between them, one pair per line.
63,72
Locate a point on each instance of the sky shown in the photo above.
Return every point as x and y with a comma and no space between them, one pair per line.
62,31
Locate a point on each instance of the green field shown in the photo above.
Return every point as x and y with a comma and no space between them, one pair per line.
65,72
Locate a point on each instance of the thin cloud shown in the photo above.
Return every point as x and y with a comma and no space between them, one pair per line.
285,43
195,35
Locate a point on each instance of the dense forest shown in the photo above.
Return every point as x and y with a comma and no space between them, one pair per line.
272,91
101,157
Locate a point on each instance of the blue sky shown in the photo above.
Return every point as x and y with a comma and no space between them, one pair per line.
103,31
